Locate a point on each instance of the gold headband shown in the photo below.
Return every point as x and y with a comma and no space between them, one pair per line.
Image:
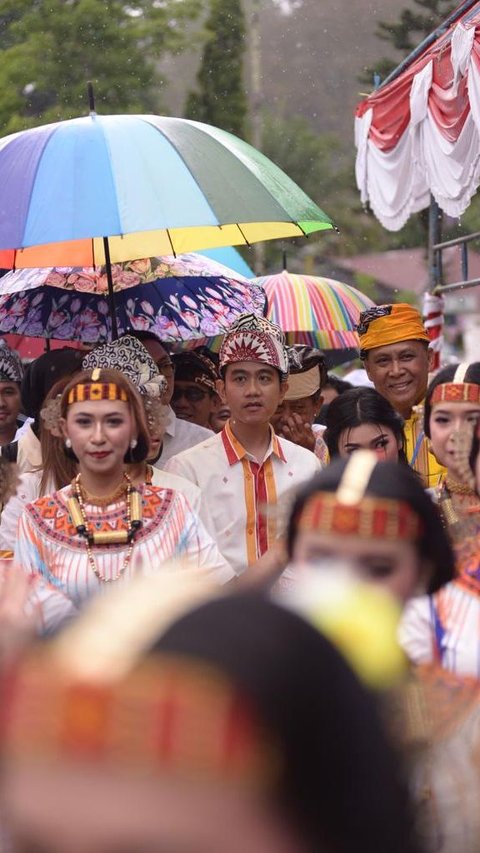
169,715
95,391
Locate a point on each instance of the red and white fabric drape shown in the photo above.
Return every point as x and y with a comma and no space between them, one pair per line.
421,133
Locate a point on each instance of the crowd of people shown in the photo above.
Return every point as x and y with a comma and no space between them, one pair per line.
206,563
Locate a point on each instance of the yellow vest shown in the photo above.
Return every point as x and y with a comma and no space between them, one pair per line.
418,454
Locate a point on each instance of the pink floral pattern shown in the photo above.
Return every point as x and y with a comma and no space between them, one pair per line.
183,299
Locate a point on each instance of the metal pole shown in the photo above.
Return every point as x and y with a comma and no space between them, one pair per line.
434,237
428,41
256,107
111,295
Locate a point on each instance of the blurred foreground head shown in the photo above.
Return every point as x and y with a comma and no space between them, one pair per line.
237,728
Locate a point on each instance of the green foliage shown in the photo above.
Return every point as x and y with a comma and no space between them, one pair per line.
406,33
318,164
220,98
51,48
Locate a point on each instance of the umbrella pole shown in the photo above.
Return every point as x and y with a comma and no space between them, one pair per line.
111,295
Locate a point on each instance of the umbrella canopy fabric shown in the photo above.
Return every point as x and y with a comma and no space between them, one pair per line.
179,299
152,185
314,311
419,135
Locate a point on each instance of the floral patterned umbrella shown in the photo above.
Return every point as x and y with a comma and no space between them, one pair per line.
183,298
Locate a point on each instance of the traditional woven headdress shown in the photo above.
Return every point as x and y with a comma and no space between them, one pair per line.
253,338
350,512
457,391
129,356
195,367
390,324
11,367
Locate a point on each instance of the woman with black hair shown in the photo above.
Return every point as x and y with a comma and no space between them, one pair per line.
445,627
103,528
376,516
452,404
240,729
361,419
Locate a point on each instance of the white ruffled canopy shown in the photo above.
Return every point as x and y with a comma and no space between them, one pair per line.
420,134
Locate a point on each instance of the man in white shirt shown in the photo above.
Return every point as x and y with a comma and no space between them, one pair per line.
179,435
11,374
246,469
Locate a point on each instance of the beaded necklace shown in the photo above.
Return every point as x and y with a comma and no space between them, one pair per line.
76,507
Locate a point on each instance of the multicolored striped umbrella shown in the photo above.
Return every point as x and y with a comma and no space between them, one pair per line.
149,185
319,312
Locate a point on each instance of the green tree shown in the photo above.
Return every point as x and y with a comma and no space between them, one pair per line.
317,163
404,35
50,48
220,98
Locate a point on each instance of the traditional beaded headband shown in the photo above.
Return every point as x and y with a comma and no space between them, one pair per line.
457,391
95,391
351,512
372,518
169,715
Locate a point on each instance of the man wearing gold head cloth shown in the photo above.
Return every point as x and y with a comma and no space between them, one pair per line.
394,349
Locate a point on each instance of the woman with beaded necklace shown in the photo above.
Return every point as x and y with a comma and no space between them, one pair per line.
101,528
452,407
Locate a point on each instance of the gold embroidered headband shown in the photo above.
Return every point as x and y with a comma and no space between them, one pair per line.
96,390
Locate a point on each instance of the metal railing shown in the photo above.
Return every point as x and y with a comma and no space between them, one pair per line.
437,261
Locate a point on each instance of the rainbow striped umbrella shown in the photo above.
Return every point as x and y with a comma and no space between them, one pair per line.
319,312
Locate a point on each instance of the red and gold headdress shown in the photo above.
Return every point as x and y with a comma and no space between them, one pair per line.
96,693
168,716
350,512
457,391
253,338
96,390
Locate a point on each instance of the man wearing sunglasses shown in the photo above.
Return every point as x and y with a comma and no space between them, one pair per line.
195,397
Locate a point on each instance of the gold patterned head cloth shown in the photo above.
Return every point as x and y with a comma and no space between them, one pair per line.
96,390
253,338
351,512
390,324
458,390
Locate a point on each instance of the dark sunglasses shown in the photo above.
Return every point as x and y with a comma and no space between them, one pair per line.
193,395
